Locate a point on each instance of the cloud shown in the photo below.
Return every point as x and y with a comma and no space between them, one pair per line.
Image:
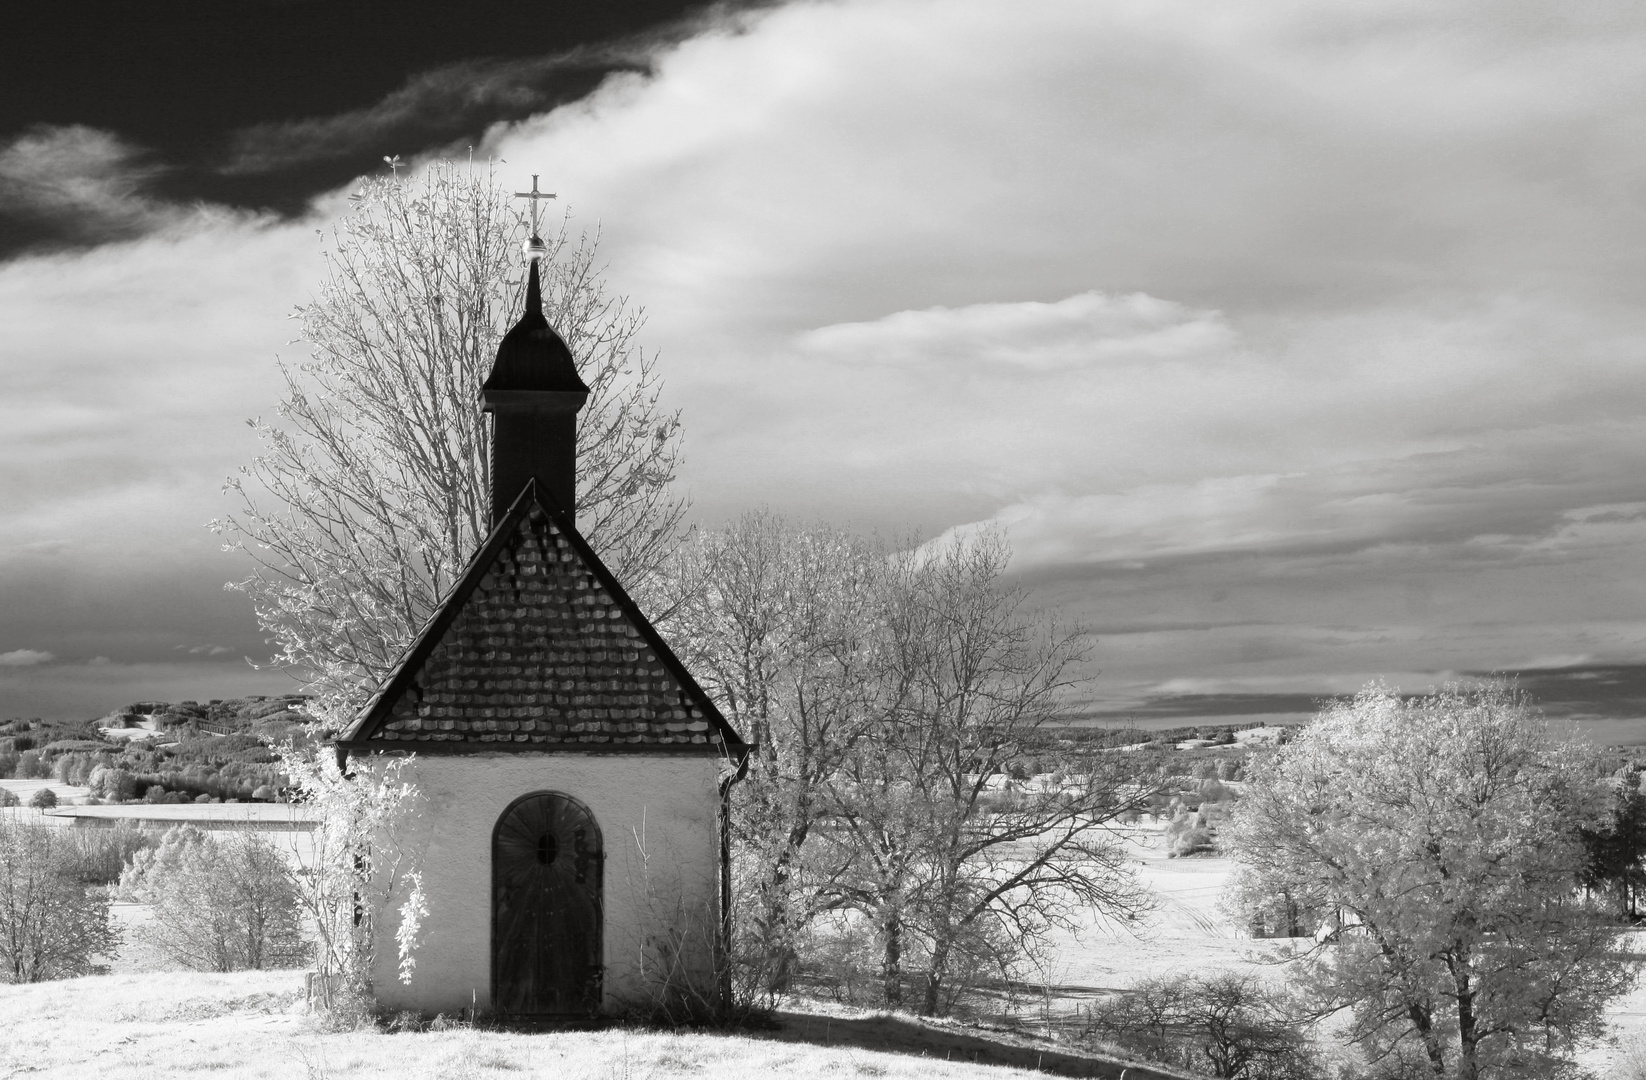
82,178
862,154
1387,375
1133,428
434,98
462,96
25,658
1025,337
882,281
130,373
1291,343
1484,505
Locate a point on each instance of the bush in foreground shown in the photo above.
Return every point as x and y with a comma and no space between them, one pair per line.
51,925
220,904
1222,1025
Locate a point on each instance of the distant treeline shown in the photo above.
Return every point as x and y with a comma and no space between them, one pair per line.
198,752
1110,737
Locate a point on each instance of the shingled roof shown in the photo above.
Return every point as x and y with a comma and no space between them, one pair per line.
538,648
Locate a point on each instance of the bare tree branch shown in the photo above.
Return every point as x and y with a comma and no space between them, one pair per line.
372,488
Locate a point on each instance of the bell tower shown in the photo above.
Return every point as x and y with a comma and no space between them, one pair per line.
533,394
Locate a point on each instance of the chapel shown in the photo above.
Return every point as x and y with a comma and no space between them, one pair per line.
574,777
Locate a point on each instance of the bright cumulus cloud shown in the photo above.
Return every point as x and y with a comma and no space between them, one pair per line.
1289,343
25,658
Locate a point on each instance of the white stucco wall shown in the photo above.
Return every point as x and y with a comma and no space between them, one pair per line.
658,818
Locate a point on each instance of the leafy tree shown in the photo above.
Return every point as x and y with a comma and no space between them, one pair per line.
113,783
370,497
219,904
1444,830
50,924
44,799
1616,847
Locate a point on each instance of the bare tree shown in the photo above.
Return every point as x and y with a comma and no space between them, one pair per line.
371,493
1445,831
886,694
778,623
946,850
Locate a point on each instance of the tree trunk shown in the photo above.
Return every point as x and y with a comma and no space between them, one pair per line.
935,973
891,967
1467,1037
776,933
1424,1023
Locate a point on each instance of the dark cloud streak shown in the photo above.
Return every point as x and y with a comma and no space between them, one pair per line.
445,103
261,104
78,183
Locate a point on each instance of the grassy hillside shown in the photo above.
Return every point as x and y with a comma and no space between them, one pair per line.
165,752
252,1025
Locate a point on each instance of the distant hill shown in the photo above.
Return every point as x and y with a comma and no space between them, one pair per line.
161,751
270,718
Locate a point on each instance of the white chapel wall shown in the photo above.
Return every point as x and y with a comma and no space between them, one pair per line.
658,818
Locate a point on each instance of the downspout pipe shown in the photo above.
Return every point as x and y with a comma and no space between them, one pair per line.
725,949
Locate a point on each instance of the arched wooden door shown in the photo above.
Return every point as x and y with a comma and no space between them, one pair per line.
546,909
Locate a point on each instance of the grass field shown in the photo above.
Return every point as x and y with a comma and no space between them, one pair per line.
253,1025
26,790
144,1019
1189,933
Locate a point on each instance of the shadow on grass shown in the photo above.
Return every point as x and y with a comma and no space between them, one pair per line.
909,1035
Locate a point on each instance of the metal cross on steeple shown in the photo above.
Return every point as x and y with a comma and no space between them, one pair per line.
535,196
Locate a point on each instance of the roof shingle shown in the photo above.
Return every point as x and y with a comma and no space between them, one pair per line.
538,648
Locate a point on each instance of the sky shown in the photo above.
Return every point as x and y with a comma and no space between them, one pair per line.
1294,346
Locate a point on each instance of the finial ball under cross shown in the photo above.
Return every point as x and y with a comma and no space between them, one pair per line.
535,248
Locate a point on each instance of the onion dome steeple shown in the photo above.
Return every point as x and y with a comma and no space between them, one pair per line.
531,356
533,394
